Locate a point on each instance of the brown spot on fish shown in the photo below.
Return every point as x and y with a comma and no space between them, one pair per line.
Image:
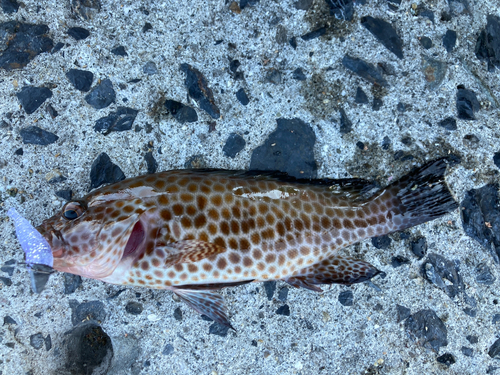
145,266
270,258
178,209
207,267
224,228
213,214
192,188
178,267
233,243
244,245
234,258
261,267
183,276
192,267
222,263
187,198
219,188
212,228
236,212
219,241
216,200
257,254
201,202
166,215
200,221
186,222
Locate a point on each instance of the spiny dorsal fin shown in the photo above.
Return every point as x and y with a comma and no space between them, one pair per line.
190,251
208,303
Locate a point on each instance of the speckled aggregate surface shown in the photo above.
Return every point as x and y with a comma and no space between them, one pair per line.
320,336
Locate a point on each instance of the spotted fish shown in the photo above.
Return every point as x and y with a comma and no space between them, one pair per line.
196,231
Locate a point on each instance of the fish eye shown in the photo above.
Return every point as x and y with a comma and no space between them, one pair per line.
73,210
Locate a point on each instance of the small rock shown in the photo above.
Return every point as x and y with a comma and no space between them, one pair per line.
6,281
403,313
426,42
242,97
274,76
346,298
345,123
283,294
198,89
293,42
80,79
467,104
449,40
102,95
181,112
151,162
147,26
384,33
195,162
399,260
234,144
488,43
270,288
283,310
303,4
314,34
51,111
360,97
71,282
57,47
9,6
469,352
494,351
299,75
377,104
86,9
119,51
495,319
55,176
8,270
289,149
428,329
48,343
446,359
36,136
218,329
419,247
341,9
364,70
103,171
178,314
444,274
150,68
402,108
8,320
78,33
119,121
134,308
235,7
36,340
496,158
381,242
67,195
434,72
449,123
472,339
484,275
168,349
32,97
19,151
93,310
245,3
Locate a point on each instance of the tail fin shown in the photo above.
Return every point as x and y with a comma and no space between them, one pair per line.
422,195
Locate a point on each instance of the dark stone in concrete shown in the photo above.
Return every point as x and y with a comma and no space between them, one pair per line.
103,171
218,329
346,298
446,359
134,308
385,34
283,310
93,310
364,70
449,40
80,79
449,123
403,313
119,121
9,6
299,75
151,162
242,97
36,136
119,51
381,242
426,327
37,340
102,95
345,123
32,97
425,41
467,104
444,274
270,288
314,34
361,97
234,144
71,282
78,33
198,89
419,247
488,43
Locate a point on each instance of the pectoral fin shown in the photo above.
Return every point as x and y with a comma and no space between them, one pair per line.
334,270
190,251
208,303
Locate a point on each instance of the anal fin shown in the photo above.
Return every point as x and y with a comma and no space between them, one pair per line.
334,270
205,302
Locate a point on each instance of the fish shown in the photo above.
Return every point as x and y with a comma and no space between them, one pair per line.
194,232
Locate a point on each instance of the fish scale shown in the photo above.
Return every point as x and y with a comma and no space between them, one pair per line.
195,231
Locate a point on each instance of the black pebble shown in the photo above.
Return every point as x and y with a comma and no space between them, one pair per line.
254,343
78,33
51,111
403,313
495,319
181,112
469,352
103,171
426,42
481,206
488,43
19,151
449,123
385,34
234,144
32,97
449,40
443,273
218,329
242,96
57,47
36,340
303,4
426,326
364,70
386,143
147,26
37,136
87,346
245,3
9,6
472,339
134,308
345,123
150,68
399,260
341,9
48,342
314,34
299,75
494,351
178,314
168,349
381,242
119,121
377,104
21,43
71,283
8,270
119,51
198,89
419,247
402,107
346,298
289,149
467,104
293,42
80,79
446,359
360,97
434,72
102,95
274,76
93,310
151,162
67,195
8,320
283,310
484,275
283,294
270,288
360,145
496,159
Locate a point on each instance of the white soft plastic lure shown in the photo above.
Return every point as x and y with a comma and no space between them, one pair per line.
35,246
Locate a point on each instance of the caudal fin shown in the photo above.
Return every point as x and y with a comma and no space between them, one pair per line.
421,196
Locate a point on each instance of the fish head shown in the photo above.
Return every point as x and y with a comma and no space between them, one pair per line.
90,237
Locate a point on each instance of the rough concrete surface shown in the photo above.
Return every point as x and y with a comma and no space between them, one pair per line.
320,335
